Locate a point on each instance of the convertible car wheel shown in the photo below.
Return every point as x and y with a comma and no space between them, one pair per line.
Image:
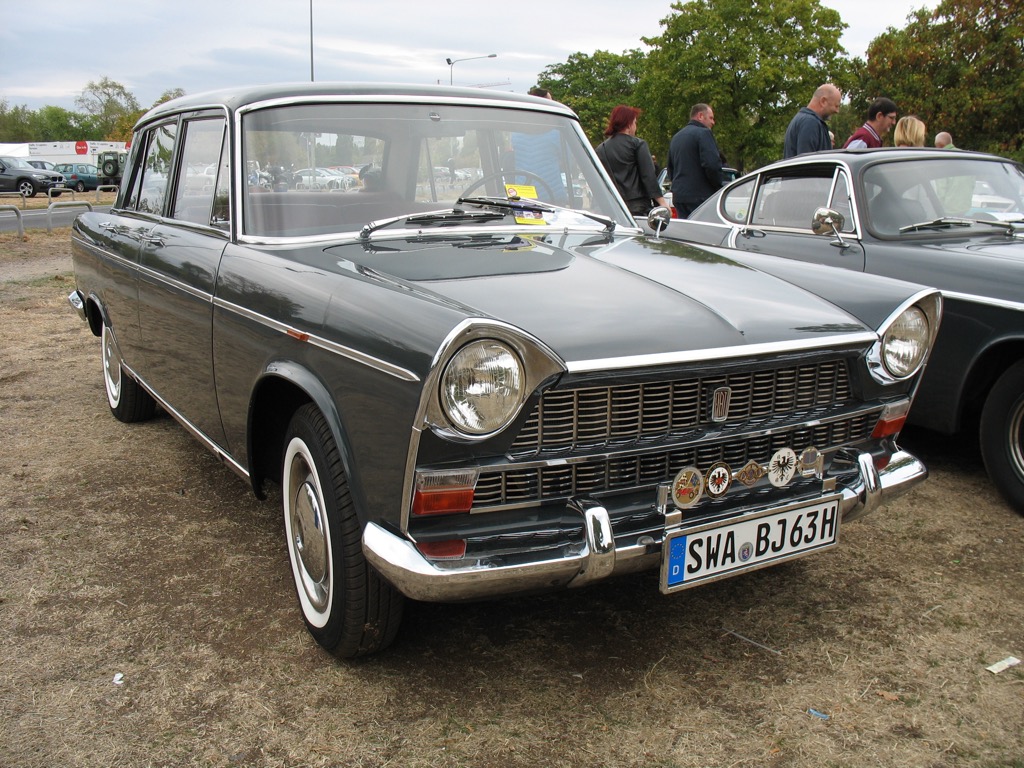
1002,435
347,607
128,401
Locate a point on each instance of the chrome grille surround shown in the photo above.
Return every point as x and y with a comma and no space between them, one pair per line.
591,418
592,440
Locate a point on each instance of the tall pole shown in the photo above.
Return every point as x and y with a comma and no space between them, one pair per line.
452,62
311,41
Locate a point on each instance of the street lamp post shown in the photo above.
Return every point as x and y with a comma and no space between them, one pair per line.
453,62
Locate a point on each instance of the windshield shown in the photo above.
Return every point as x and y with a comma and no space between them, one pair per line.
902,194
407,159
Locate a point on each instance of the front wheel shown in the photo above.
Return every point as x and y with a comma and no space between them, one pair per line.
1002,435
128,401
347,607
27,188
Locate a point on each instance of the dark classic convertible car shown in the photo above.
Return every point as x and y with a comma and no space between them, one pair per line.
946,218
488,383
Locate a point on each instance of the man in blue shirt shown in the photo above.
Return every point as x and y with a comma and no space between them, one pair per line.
694,162
808,131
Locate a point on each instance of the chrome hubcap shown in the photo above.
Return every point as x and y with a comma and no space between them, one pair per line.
1015,434
309,543
111,369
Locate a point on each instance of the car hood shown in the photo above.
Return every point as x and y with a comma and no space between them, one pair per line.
598,297
983,266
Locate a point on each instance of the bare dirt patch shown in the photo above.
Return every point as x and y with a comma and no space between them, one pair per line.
147,618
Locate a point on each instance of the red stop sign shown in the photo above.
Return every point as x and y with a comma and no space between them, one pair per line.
82,147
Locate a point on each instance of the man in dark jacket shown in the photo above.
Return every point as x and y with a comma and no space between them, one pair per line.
808,131
694,162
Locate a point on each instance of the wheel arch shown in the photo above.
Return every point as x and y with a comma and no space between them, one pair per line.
989,365
284,388
95,315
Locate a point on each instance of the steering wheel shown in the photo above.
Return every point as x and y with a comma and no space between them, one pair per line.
508,174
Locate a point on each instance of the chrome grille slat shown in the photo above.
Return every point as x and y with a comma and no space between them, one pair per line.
589,418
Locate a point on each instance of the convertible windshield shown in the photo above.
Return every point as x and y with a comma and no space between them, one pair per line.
943,195
399,160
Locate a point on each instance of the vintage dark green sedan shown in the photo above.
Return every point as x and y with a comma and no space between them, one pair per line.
486,382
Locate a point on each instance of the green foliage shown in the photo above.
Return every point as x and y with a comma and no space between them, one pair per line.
106,103
57,124
960,68
593,85
754,61
14,124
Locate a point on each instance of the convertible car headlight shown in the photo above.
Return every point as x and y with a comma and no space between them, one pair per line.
482,387
905,343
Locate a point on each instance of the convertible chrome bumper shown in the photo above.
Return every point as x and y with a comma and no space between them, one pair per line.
400,563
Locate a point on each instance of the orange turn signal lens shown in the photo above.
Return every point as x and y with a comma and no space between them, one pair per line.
451,549
444,502
892,419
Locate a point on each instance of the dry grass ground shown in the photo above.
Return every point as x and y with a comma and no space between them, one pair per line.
147,618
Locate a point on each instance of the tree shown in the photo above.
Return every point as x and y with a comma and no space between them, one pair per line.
15,122
170,93
56,124
756,62
106,103
593,85
960,68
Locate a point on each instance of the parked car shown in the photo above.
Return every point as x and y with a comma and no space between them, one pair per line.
951,219
111,165
325,178
464,392
16,175
80,176
728,176
46,165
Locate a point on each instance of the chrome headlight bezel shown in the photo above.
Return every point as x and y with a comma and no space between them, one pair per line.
538,363
906,338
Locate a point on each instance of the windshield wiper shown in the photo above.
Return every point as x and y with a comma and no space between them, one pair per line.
944,223
535,206
445,217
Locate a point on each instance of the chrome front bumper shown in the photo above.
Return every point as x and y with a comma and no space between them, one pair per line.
400,563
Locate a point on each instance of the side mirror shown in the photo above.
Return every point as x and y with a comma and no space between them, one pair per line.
658,219
827,221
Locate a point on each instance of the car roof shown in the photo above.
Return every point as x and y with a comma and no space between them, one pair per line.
864,156
237,98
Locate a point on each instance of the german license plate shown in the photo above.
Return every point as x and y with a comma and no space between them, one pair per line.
695,555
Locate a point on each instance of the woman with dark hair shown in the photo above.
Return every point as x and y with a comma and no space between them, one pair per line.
628,161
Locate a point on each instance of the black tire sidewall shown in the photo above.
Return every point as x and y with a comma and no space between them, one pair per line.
349,630
1004,400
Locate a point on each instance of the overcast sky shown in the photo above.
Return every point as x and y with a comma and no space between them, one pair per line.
50,50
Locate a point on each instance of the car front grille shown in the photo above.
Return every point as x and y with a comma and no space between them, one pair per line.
592,418
593,440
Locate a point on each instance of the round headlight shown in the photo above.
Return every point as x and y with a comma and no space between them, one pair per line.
905,343
482,387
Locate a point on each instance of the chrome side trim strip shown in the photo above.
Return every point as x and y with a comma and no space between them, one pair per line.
191,428
974,298
318,341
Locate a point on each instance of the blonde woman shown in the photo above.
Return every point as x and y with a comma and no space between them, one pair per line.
910,132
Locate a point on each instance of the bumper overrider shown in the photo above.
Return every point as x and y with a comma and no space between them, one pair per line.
861,490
